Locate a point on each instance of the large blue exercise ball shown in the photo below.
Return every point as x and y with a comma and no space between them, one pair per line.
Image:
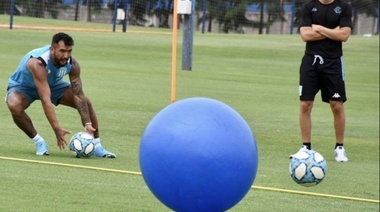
198,154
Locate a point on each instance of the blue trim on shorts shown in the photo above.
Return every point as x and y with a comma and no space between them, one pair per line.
341,62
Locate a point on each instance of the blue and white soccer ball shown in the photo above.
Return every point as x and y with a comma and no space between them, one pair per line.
308,168
82,145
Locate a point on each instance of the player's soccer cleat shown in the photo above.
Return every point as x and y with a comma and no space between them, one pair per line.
101,152
303,148
41,148
340,154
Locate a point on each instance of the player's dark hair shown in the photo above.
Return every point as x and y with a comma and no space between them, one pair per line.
67,40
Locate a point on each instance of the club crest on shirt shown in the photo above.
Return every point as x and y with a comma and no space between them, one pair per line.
338,10
62,72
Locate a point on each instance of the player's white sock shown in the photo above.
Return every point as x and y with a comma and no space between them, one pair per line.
38,138
97,141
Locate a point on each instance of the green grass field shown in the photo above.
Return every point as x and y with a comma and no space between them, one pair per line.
128,78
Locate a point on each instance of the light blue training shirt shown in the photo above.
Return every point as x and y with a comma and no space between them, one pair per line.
23,77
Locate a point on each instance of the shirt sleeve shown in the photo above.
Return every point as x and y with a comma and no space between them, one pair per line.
346,19
305,16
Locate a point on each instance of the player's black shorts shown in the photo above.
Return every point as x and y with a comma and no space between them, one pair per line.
324,74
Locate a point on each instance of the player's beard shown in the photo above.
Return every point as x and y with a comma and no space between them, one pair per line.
63,62
59,62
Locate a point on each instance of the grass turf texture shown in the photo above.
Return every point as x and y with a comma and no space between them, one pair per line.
127,76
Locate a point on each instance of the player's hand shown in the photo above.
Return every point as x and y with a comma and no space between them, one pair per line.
60,135
89,129
316,27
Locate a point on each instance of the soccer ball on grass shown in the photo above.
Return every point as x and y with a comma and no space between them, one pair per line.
308,168
82,145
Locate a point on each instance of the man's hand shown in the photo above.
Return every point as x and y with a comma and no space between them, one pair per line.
316,27
60,134
319,28
89,129
311,33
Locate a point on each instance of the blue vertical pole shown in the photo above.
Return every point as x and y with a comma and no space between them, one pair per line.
114,15
12,11
378,19
125,2
188,36
204,16
293,15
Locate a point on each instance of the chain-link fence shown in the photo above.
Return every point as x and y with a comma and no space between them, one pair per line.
217,16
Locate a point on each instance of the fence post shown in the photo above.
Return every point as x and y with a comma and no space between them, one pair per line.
12,11
186,8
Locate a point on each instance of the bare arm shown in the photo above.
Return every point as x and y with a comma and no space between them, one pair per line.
309,34
39,73
40,80
338,34
80,100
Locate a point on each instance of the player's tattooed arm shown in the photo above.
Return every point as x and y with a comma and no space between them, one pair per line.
80,99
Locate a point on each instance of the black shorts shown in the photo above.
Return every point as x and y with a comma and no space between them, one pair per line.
324,74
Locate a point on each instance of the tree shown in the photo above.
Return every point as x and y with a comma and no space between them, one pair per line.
213,13
53,7
92,5
163,9
138,9
367,7
76,10
298,5
4,7
275,13
37,8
